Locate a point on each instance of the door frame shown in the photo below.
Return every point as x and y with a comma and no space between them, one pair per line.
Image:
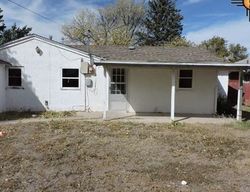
126,96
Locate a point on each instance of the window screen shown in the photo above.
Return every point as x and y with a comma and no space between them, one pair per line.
70,78
15,77
118,81
185,79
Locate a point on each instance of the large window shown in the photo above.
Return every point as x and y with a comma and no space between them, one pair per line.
186,79
14,77
118,81
70,78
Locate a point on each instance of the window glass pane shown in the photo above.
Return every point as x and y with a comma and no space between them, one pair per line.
122,71
118,80
70,73
185,83
114,72
15,77
15,72
123,89
15,82
70,83
123,79
114,79
118,71
186,73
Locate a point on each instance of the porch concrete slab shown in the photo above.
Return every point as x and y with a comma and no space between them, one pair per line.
89,115
165,118
150,118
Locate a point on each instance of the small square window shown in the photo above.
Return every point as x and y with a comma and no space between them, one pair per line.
15,77
70,78
186,79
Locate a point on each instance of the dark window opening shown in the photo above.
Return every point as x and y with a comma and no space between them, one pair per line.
186,79
15,77
234,76
70,78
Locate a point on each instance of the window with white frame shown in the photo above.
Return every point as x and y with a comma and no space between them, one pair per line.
186,79
14,77
118,81
70,78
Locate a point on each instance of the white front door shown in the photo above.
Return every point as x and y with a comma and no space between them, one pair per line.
118,89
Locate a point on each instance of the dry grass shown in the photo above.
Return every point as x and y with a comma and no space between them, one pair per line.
7,116
114,156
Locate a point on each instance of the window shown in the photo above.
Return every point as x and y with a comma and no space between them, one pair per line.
15,77
118,82
70,78
185,79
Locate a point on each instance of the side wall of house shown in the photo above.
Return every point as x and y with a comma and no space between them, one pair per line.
149,90
2,88
42,79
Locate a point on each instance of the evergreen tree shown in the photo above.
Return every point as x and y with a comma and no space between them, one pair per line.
2,26
14,33
162,23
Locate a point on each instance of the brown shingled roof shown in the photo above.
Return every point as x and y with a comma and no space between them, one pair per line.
154,54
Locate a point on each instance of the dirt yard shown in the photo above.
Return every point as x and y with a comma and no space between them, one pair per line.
112,156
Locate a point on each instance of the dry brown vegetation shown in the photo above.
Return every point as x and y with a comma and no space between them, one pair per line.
115,156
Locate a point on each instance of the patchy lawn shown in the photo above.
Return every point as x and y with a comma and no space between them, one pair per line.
7,116
113,156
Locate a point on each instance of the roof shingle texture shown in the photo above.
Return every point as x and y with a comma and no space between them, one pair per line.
153,54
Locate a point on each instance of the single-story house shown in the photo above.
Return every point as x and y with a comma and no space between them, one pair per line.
40,74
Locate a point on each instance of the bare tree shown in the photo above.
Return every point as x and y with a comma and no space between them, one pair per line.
112,25
77,30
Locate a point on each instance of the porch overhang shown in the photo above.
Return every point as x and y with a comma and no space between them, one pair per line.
229,66
4,63
175,66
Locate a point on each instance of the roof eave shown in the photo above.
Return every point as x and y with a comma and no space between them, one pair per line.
2,62
174,64
44,39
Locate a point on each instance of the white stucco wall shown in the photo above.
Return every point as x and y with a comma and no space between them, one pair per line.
223,81
149,90
2,88
42,79
202,97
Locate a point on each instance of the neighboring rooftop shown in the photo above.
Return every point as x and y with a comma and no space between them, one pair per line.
244,61
153,54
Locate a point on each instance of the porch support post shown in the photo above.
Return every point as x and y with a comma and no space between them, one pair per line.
173,76
106,102
239,100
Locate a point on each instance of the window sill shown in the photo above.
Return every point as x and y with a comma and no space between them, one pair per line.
71,88
185,89
13,87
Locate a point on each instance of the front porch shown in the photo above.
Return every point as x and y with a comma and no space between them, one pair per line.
156,91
